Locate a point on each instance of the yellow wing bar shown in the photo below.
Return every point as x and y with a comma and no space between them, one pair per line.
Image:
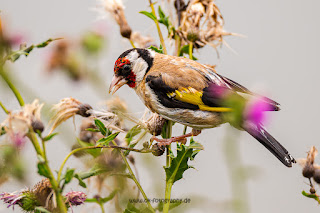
193,96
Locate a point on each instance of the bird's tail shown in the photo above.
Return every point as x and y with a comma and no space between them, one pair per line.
259,133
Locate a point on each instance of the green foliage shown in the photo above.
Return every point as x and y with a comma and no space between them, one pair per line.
15,55
103,200
49,137
81,183
29,201
93,152
143,208
149,14
42,168
185,50
156,49
171,206
96,170
40,209
68,176
102,128
163,18
132,132
179,163
105,141
313,196
92,42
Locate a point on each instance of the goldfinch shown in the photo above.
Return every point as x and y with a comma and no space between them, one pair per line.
193,94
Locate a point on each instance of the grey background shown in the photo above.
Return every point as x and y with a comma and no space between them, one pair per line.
279,58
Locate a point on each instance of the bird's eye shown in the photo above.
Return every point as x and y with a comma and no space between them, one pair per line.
126,69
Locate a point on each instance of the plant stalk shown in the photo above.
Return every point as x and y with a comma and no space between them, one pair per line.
4,108
11,86
55,186
134,178
158,28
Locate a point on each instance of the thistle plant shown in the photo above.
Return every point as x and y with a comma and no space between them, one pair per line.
108,137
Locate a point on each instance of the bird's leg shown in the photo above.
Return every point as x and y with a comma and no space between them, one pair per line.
181,138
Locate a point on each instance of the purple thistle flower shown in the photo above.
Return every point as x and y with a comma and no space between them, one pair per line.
18,139
75,198
11,198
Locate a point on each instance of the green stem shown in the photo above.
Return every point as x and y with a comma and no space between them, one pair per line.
134,178
169,183
167,196
190,50
238,181
55,186
11,86
132,44
158,28
4,108
101,206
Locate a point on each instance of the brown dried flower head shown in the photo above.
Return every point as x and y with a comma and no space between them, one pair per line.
67,108
202,23
116,9
142,41
20,122
309,167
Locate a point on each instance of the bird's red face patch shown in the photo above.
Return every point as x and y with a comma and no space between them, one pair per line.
123,68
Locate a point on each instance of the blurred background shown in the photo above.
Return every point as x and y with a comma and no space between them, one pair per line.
278,58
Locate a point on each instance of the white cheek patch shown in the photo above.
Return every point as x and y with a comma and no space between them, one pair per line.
139,68
132,56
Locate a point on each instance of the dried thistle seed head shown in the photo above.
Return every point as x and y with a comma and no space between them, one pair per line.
155,124
42,190
64,110
205,18
308,171
316,176
142,41
18,123
125,31
116,9
158,150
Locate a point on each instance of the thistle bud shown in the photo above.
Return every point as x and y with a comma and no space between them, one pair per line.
37,126
157,150
155,124
193,35
125,31
312,190
83,110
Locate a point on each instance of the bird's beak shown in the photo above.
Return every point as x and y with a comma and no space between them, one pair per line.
116,83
